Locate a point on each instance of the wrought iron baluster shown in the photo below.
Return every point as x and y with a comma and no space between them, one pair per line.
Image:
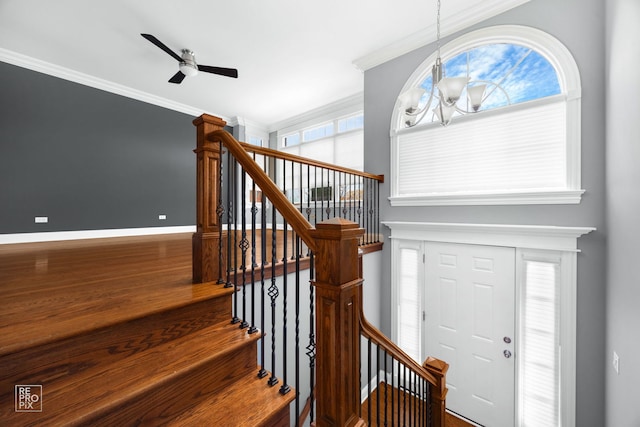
371,211
336,188
297,329
378,382
423,419
367,212
220,211
404,393
233,248
284,388
359,210
244,246
413,396
293,196
377,219
369,381
398,393
263,262
254,211
386,388
314,193
273,294
311,348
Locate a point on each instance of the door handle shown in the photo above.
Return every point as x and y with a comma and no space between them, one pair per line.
507,354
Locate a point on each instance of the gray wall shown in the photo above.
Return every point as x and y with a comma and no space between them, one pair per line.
89,159
579,24
623,207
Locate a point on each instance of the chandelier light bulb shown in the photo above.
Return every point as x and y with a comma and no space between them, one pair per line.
451,88
475,94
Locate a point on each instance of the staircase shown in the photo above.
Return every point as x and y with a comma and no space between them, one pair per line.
184,364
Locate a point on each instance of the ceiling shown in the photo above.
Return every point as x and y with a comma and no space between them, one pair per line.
293,56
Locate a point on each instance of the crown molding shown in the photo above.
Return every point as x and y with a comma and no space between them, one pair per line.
250,124
344,106
50,69
451,24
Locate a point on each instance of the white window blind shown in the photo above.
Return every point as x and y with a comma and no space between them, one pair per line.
345,150
518,149
540,366
409,307
349,150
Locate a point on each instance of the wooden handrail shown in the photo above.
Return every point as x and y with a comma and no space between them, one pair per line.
339,318
370,331
433,370
292,215
306,161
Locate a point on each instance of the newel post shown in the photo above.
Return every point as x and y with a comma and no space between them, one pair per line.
207,238
338,306
438,368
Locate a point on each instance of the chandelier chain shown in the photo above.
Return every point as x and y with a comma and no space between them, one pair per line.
438,28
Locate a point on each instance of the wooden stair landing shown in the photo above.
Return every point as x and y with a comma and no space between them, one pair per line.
116,334
393,415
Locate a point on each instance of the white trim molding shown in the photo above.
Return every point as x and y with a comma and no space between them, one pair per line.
48,68
545,237
539,241
551,197
54,236
454,22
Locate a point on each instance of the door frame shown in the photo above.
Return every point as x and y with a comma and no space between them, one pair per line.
549,241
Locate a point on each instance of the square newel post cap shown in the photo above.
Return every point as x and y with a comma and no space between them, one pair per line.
337,251
337,229
208,119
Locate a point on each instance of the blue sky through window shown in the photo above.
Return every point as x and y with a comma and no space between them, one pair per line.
521,73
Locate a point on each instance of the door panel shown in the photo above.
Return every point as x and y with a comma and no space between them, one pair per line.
470,308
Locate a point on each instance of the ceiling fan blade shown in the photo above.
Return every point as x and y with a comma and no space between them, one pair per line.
162,46
177,78
228,72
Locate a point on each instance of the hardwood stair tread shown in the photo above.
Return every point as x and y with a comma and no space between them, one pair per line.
96,391
55,290
248,402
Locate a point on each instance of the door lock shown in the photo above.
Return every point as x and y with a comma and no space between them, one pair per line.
507,354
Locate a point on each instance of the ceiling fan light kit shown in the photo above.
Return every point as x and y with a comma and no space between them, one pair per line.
187,64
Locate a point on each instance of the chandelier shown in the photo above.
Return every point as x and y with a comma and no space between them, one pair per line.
446,90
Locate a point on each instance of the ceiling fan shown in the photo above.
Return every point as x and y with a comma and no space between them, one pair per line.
188,65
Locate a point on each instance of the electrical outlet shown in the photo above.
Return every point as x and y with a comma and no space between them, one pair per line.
162,216
616,363
42,219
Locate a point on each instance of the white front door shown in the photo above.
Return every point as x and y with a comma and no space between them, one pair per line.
470,323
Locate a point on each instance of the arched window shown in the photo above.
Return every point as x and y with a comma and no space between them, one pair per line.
522,146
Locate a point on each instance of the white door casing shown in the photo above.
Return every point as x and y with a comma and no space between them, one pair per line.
551,243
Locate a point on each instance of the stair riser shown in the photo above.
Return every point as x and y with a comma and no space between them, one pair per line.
168,399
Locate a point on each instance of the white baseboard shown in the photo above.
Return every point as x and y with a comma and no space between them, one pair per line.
91,234
364,392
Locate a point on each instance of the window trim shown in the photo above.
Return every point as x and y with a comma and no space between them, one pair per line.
569,80
284,133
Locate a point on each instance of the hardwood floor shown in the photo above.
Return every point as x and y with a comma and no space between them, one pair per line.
57,289
392,415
